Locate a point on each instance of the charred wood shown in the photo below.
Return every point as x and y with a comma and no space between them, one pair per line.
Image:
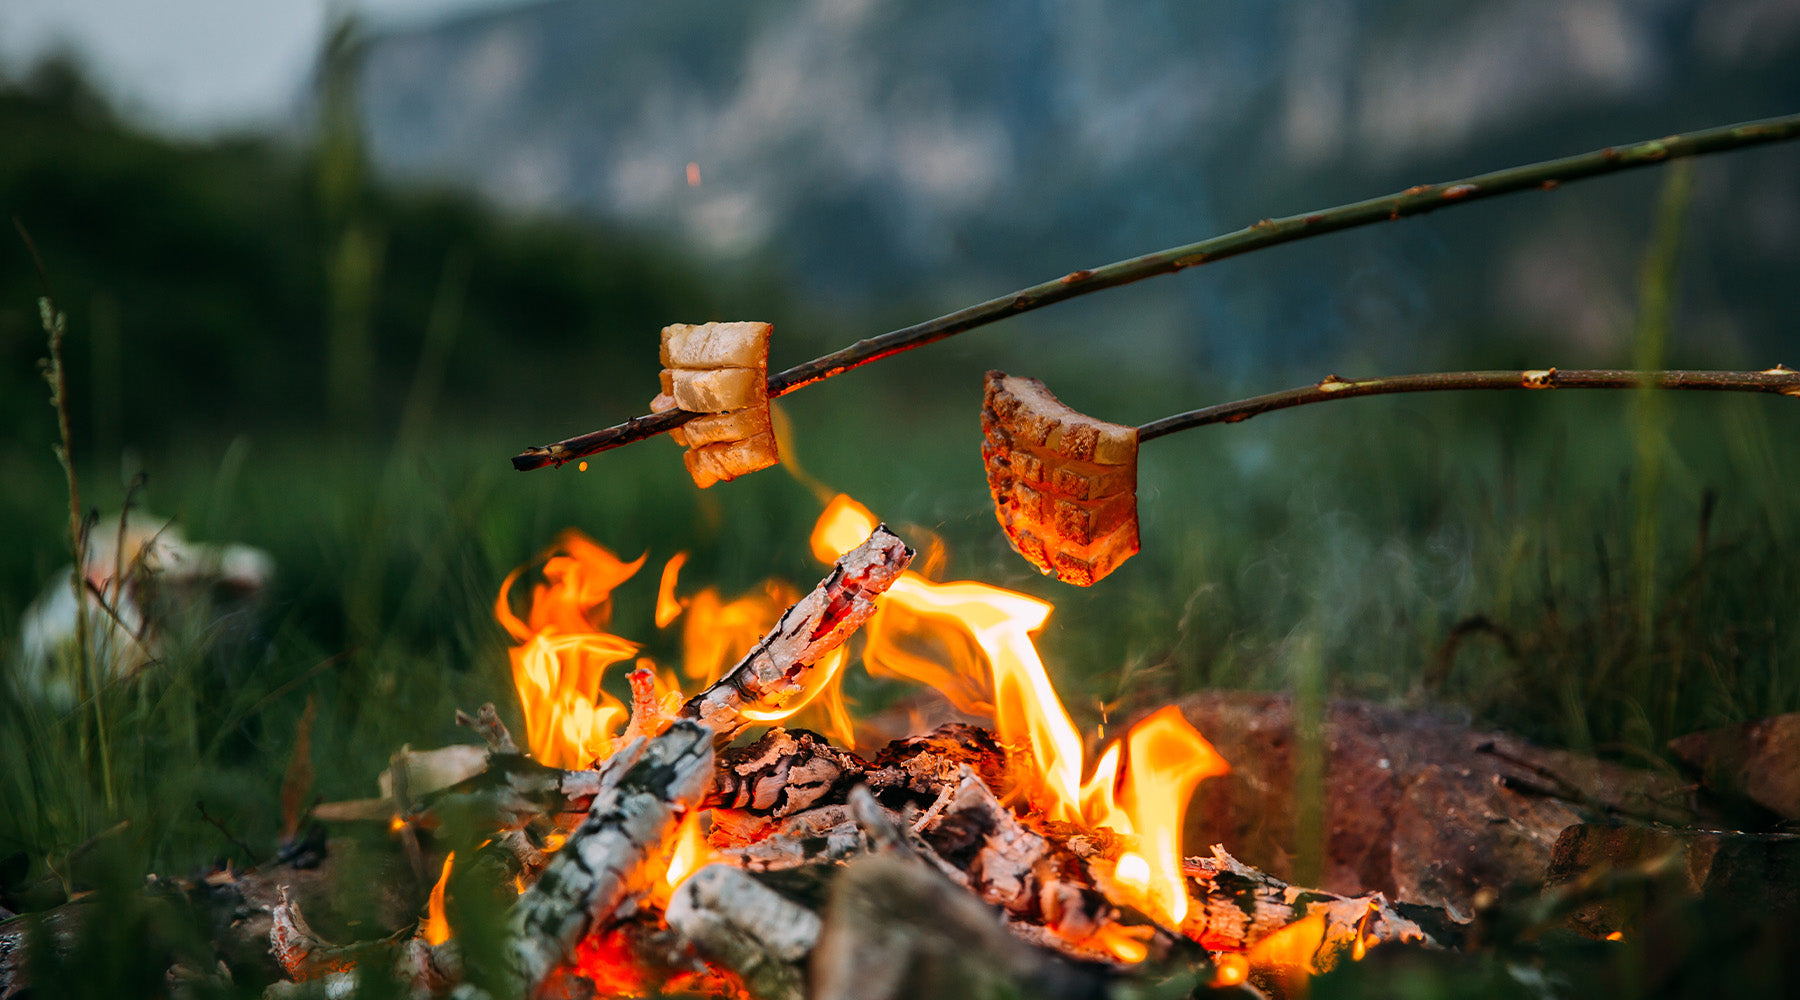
776,671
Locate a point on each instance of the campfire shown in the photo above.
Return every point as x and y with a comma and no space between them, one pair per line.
648,847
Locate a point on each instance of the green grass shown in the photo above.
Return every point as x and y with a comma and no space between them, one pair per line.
1636,579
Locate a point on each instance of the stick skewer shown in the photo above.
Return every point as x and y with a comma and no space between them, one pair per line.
1779,379
1546,175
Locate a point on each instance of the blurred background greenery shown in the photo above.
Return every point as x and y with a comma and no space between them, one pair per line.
306,354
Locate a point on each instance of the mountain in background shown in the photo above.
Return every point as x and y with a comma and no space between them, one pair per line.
936,153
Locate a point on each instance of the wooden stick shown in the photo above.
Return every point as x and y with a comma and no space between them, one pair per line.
1779,379
776,671
1546,176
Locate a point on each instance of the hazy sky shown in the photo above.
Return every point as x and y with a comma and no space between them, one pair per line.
195,66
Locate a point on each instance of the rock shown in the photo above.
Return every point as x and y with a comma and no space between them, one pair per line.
1417,805
1758,760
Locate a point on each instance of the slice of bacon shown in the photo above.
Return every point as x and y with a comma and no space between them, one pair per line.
721,370
1064,485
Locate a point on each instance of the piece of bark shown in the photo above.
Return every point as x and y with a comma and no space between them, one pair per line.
604,866
1418,806
783,773
895,927
741,925
1045,890
1064,485
1758,760
777,668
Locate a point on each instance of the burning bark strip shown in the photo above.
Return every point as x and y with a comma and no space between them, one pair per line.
775,677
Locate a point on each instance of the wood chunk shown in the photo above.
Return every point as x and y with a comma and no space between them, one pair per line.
738,923
784,773
1064,485
716,345
1233,907
896,928
777,668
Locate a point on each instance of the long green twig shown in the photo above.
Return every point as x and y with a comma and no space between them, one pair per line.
1546,175
1780,379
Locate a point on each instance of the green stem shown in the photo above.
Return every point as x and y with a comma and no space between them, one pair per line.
1418,200
1780,379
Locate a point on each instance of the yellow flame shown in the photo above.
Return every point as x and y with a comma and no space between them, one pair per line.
564,649
1165,757
923,630
688,852
1291,950
668,607
437,927
717,633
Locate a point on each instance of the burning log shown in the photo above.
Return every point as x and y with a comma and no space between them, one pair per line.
776,674
604,865
1240,907
896,927
740,924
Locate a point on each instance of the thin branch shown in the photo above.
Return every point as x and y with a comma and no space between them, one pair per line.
1418,200
1779,379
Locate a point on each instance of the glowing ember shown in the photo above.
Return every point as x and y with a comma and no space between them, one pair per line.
689,852
437,928
1229,969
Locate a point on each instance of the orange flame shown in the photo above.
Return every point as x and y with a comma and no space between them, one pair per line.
668,607
564,651
1165,757
1141,791
1293,954
437,927
688,852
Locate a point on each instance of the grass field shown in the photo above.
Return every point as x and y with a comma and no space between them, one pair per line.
1633,566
